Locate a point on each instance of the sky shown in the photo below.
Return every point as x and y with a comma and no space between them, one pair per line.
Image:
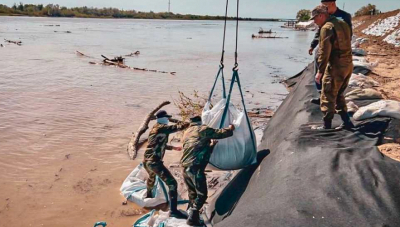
248,8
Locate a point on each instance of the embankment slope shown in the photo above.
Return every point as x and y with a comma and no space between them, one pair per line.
317,178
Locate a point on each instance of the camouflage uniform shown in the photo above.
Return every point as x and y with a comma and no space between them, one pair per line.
335,61
154,154
196,155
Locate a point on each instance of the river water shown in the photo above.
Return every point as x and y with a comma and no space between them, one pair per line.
65,124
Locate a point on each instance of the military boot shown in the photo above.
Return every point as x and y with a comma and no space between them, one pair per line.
173,209
194,218
347,124
316,101
149,194
189,206
327,125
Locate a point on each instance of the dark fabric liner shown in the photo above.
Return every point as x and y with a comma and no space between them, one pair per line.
314,178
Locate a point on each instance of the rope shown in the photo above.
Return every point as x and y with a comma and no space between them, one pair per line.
237,36
223,41
215,83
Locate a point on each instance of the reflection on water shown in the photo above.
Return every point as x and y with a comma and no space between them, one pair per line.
53,103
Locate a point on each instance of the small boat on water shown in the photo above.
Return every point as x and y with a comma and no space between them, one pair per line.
262,31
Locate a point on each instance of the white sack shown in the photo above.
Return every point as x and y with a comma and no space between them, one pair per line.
235,152
362,81
134,189
384,108
363,94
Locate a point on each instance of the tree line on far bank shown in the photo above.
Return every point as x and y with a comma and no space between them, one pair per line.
305,14
54,10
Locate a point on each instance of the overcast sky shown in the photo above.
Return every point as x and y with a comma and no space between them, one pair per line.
248,8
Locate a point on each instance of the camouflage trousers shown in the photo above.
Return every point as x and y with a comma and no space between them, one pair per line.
334,83
196,183
158,169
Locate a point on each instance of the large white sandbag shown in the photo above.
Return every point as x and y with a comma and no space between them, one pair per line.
134,189
235,152
362,81
161,219
365,64
351,107
383,108
363,94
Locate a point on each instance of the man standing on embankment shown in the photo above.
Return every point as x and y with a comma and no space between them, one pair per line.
335,65
339,14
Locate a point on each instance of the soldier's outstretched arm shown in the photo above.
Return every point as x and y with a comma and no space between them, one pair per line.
325,48
219,133
174,128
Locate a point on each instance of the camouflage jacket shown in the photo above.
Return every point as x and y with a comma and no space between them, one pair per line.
158,139
196,143
335,44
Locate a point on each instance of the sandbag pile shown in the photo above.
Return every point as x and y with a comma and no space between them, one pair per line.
362,81
363,94
383,108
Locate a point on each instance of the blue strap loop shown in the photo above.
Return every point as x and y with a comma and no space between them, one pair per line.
220,72
235,78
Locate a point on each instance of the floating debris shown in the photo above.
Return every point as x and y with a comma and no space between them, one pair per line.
19,43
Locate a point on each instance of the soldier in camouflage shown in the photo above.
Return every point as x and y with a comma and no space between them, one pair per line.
153,159
198,143
339,14
335,63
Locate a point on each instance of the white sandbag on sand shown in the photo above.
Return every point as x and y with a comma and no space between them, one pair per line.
161,219
381,27
358,41
362,81
363,94
134,189
365,64
351,107
394,38
383,108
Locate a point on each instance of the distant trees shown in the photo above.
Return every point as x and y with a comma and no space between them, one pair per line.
303,15
366,10
54,10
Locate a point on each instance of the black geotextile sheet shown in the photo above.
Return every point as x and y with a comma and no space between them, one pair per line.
314,178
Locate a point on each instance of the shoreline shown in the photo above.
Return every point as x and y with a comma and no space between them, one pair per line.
172,19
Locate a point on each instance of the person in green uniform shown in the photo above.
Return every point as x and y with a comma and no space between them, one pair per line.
198,144
153,159
335,65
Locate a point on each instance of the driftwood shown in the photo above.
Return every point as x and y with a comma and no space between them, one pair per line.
133,145
267,37
82,54
19,43
133,54
119,62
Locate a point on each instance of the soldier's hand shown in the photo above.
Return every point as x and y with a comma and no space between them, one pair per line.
232,127
213,143
318,78
310,51
177,148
